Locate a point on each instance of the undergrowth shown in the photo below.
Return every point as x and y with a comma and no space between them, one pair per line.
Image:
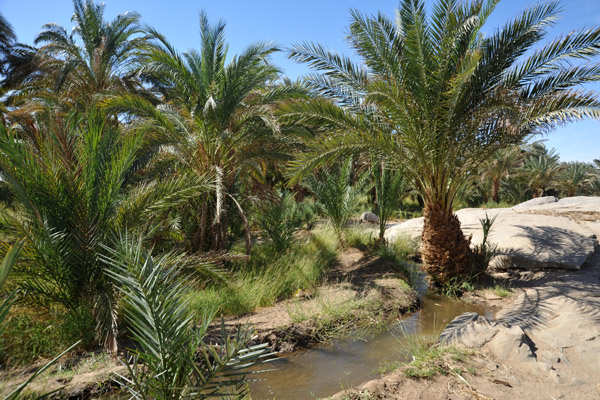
268,276
31,335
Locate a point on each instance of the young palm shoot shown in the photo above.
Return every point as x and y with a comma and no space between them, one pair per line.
336,198
172,359
389,186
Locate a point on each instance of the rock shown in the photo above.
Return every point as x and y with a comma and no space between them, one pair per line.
492,366
578,381
544,366
536,202
557,234
512,343
491,296
369,217
558,378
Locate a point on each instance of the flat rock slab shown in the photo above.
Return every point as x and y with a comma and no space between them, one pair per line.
531,235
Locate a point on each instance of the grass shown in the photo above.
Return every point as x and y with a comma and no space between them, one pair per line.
431,361
427,357
361,237
31,335
334,313
268,276
501,290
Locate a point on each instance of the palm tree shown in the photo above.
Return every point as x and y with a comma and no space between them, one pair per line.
499,165
96,57
438,97
17,63
389,187
7,38
68,174
217,118
541,172
574,177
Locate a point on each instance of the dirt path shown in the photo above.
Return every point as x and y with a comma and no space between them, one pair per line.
544,344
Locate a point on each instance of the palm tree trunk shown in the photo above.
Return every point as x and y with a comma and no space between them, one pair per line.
446,252
218,223
496,190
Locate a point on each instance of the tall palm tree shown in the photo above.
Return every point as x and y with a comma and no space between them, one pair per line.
575,177
499,165
96,57
7,38
217,118
438,97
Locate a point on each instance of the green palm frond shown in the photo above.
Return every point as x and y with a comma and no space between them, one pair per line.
173,360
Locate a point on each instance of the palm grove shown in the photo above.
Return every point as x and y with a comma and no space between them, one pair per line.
123,159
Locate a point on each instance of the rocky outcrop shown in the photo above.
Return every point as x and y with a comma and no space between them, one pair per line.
538,234
369,217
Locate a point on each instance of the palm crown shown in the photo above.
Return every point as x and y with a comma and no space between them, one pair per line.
96,57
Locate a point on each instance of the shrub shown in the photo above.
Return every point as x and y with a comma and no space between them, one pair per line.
172,359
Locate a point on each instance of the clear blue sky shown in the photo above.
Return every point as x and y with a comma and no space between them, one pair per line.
287,22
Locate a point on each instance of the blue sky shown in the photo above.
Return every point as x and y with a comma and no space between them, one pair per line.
287,22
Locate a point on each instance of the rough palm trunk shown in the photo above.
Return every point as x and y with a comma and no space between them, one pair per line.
445,251
496,190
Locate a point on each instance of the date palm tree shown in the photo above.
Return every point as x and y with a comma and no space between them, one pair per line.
541,172
499,165
217,118
95,57
17,64
575,177
437,96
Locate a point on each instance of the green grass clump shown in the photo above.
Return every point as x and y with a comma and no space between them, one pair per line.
429,361
268,276
399,250
360,237
333,316
31,335
502,291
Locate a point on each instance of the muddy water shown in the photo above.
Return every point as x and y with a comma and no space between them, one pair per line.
328,368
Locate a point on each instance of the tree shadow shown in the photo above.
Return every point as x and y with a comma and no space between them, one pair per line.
549,247
546,295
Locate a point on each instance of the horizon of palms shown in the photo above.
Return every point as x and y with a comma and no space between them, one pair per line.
96,58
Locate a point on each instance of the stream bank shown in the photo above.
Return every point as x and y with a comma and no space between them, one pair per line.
361,290
543,344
